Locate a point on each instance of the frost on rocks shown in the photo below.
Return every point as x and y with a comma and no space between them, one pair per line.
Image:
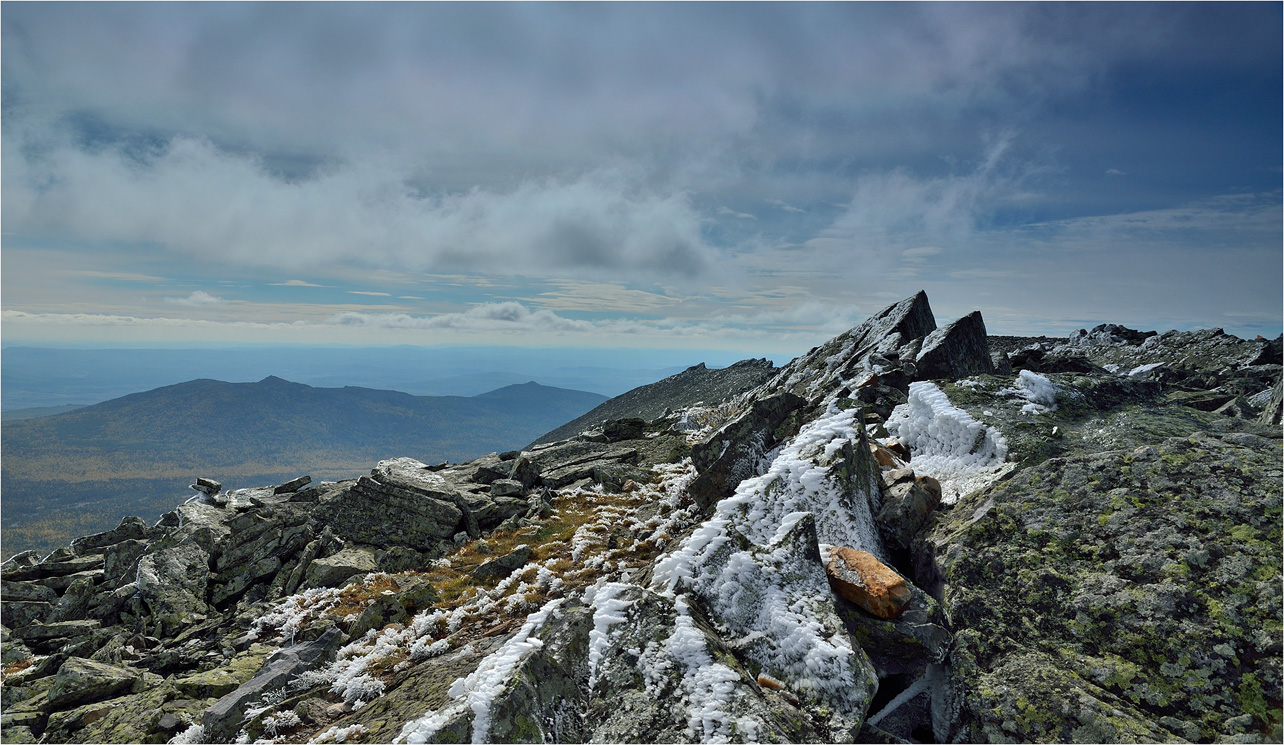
709,687
478,691
946,443
608,611
755,566
339,734
193,735
1037,390
1143,369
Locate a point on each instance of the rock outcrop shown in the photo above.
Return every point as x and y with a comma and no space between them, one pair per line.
908,534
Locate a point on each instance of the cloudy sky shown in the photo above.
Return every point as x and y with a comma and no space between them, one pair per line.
754,177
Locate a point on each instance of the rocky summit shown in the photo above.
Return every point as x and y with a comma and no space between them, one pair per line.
912,533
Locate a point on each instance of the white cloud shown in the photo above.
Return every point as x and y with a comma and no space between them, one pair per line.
742,215
197,298
121,276
368,292
601,297
198,200
295,283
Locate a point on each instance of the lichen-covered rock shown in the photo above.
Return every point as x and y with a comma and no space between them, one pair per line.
222,680
425,510
504,565
887,340
130,528
81,681
222,720
334,570
908,503
172,582
1123,595
132,718
905,645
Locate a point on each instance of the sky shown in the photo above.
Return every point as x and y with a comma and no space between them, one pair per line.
753,177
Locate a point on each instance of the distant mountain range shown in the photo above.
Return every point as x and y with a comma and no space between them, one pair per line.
80,471
691,386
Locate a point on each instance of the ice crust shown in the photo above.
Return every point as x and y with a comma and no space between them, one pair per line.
946,443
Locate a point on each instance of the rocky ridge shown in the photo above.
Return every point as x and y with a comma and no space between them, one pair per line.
905,535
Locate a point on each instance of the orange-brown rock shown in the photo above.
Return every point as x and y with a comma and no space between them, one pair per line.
886,458
766,681
895,445
866,380
867,582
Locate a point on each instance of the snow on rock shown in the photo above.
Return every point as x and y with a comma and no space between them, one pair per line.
478,690
709,687
1040,392
946,443
1143,369
608,611
755,566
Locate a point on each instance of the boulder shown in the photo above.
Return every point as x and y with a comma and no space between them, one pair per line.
867,582
567,462
384,610
504,565
17,614
81,681
207,486
424,503
731,455
220,681
958,350
222,720
1273,411
400,559
333,571
130,528
505,488
525,472
1125,563
41,632
908,504
616,430
75,602
18,563
324,545
130,718
172,584
120,561
293,485
26,591
905,645
54,566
